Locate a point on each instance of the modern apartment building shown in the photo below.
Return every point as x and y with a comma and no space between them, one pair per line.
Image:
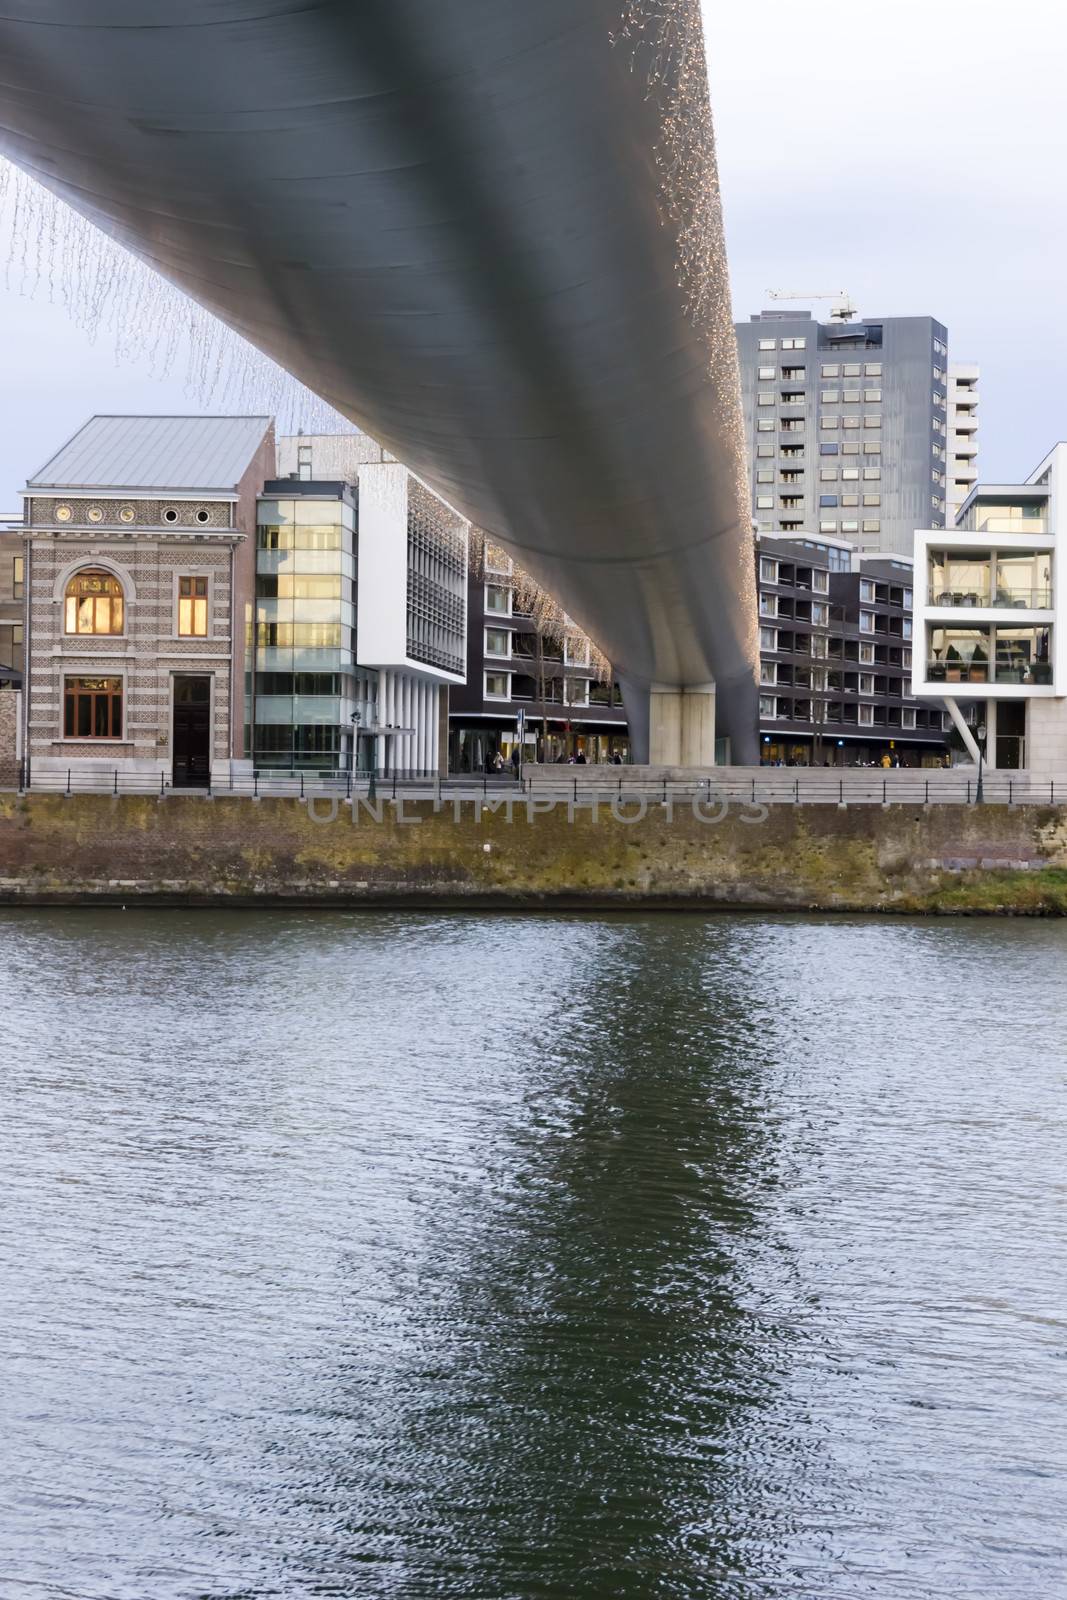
139,565
989,640
836,658
962,466
361,611
521,673
847,426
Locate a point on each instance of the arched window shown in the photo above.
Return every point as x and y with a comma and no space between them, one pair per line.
93,603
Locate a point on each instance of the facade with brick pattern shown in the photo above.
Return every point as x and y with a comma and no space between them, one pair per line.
140,602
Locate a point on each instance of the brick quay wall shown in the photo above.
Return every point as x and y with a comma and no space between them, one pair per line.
189,850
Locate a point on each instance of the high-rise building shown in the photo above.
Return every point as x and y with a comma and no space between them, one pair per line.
962,468
847,426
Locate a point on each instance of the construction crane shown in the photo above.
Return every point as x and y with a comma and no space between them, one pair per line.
841,311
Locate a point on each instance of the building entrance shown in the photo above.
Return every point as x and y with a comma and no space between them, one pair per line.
192,732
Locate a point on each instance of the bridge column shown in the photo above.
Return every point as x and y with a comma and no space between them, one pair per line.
681,725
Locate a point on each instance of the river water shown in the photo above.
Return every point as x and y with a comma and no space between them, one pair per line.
501,1258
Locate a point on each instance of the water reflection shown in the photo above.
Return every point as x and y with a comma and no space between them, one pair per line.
531,1257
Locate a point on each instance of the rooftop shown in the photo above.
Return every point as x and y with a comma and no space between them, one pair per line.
196,454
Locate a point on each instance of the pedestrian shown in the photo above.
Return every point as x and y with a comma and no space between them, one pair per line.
515,758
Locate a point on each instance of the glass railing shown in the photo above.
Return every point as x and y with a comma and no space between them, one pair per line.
1036,673
1024,599
957,671
1010,599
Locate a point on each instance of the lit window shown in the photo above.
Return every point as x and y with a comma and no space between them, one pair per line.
850,474
192,608
93,603
850,422
827,527
92,708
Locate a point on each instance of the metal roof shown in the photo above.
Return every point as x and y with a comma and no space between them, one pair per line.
200,454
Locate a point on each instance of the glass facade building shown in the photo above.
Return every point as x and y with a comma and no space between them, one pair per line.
307,697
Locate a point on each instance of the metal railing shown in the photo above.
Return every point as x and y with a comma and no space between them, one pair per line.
600,786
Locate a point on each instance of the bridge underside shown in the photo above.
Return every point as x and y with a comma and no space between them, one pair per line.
465,224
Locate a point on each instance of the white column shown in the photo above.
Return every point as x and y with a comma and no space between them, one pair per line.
422,760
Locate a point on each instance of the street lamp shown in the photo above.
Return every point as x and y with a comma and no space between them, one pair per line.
979,794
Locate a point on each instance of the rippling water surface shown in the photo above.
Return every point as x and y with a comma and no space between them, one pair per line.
403,1256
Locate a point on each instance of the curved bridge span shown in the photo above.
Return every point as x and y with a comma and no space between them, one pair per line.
488,232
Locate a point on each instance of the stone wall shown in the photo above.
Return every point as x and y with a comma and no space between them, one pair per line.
10,700
190,850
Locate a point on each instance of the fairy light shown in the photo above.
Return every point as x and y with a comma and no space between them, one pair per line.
53,251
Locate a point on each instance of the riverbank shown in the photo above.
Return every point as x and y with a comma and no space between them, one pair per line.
189,850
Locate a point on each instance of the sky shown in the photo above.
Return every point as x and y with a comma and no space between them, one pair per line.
911,152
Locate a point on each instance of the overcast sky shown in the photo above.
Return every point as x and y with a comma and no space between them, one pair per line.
913,152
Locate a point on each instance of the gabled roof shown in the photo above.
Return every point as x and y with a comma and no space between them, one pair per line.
201,455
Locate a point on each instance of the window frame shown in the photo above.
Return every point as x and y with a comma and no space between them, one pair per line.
89,570
111,695
193,574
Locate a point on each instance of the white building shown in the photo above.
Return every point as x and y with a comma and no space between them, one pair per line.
961,467
988,641
401,627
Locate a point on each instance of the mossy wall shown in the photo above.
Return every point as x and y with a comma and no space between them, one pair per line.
188,849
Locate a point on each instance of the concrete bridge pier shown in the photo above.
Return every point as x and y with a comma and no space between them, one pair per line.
671,726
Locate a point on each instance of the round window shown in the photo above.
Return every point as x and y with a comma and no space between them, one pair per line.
170,515
95,514
63,513
126,513
203,516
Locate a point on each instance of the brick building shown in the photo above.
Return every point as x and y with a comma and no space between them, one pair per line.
140,568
